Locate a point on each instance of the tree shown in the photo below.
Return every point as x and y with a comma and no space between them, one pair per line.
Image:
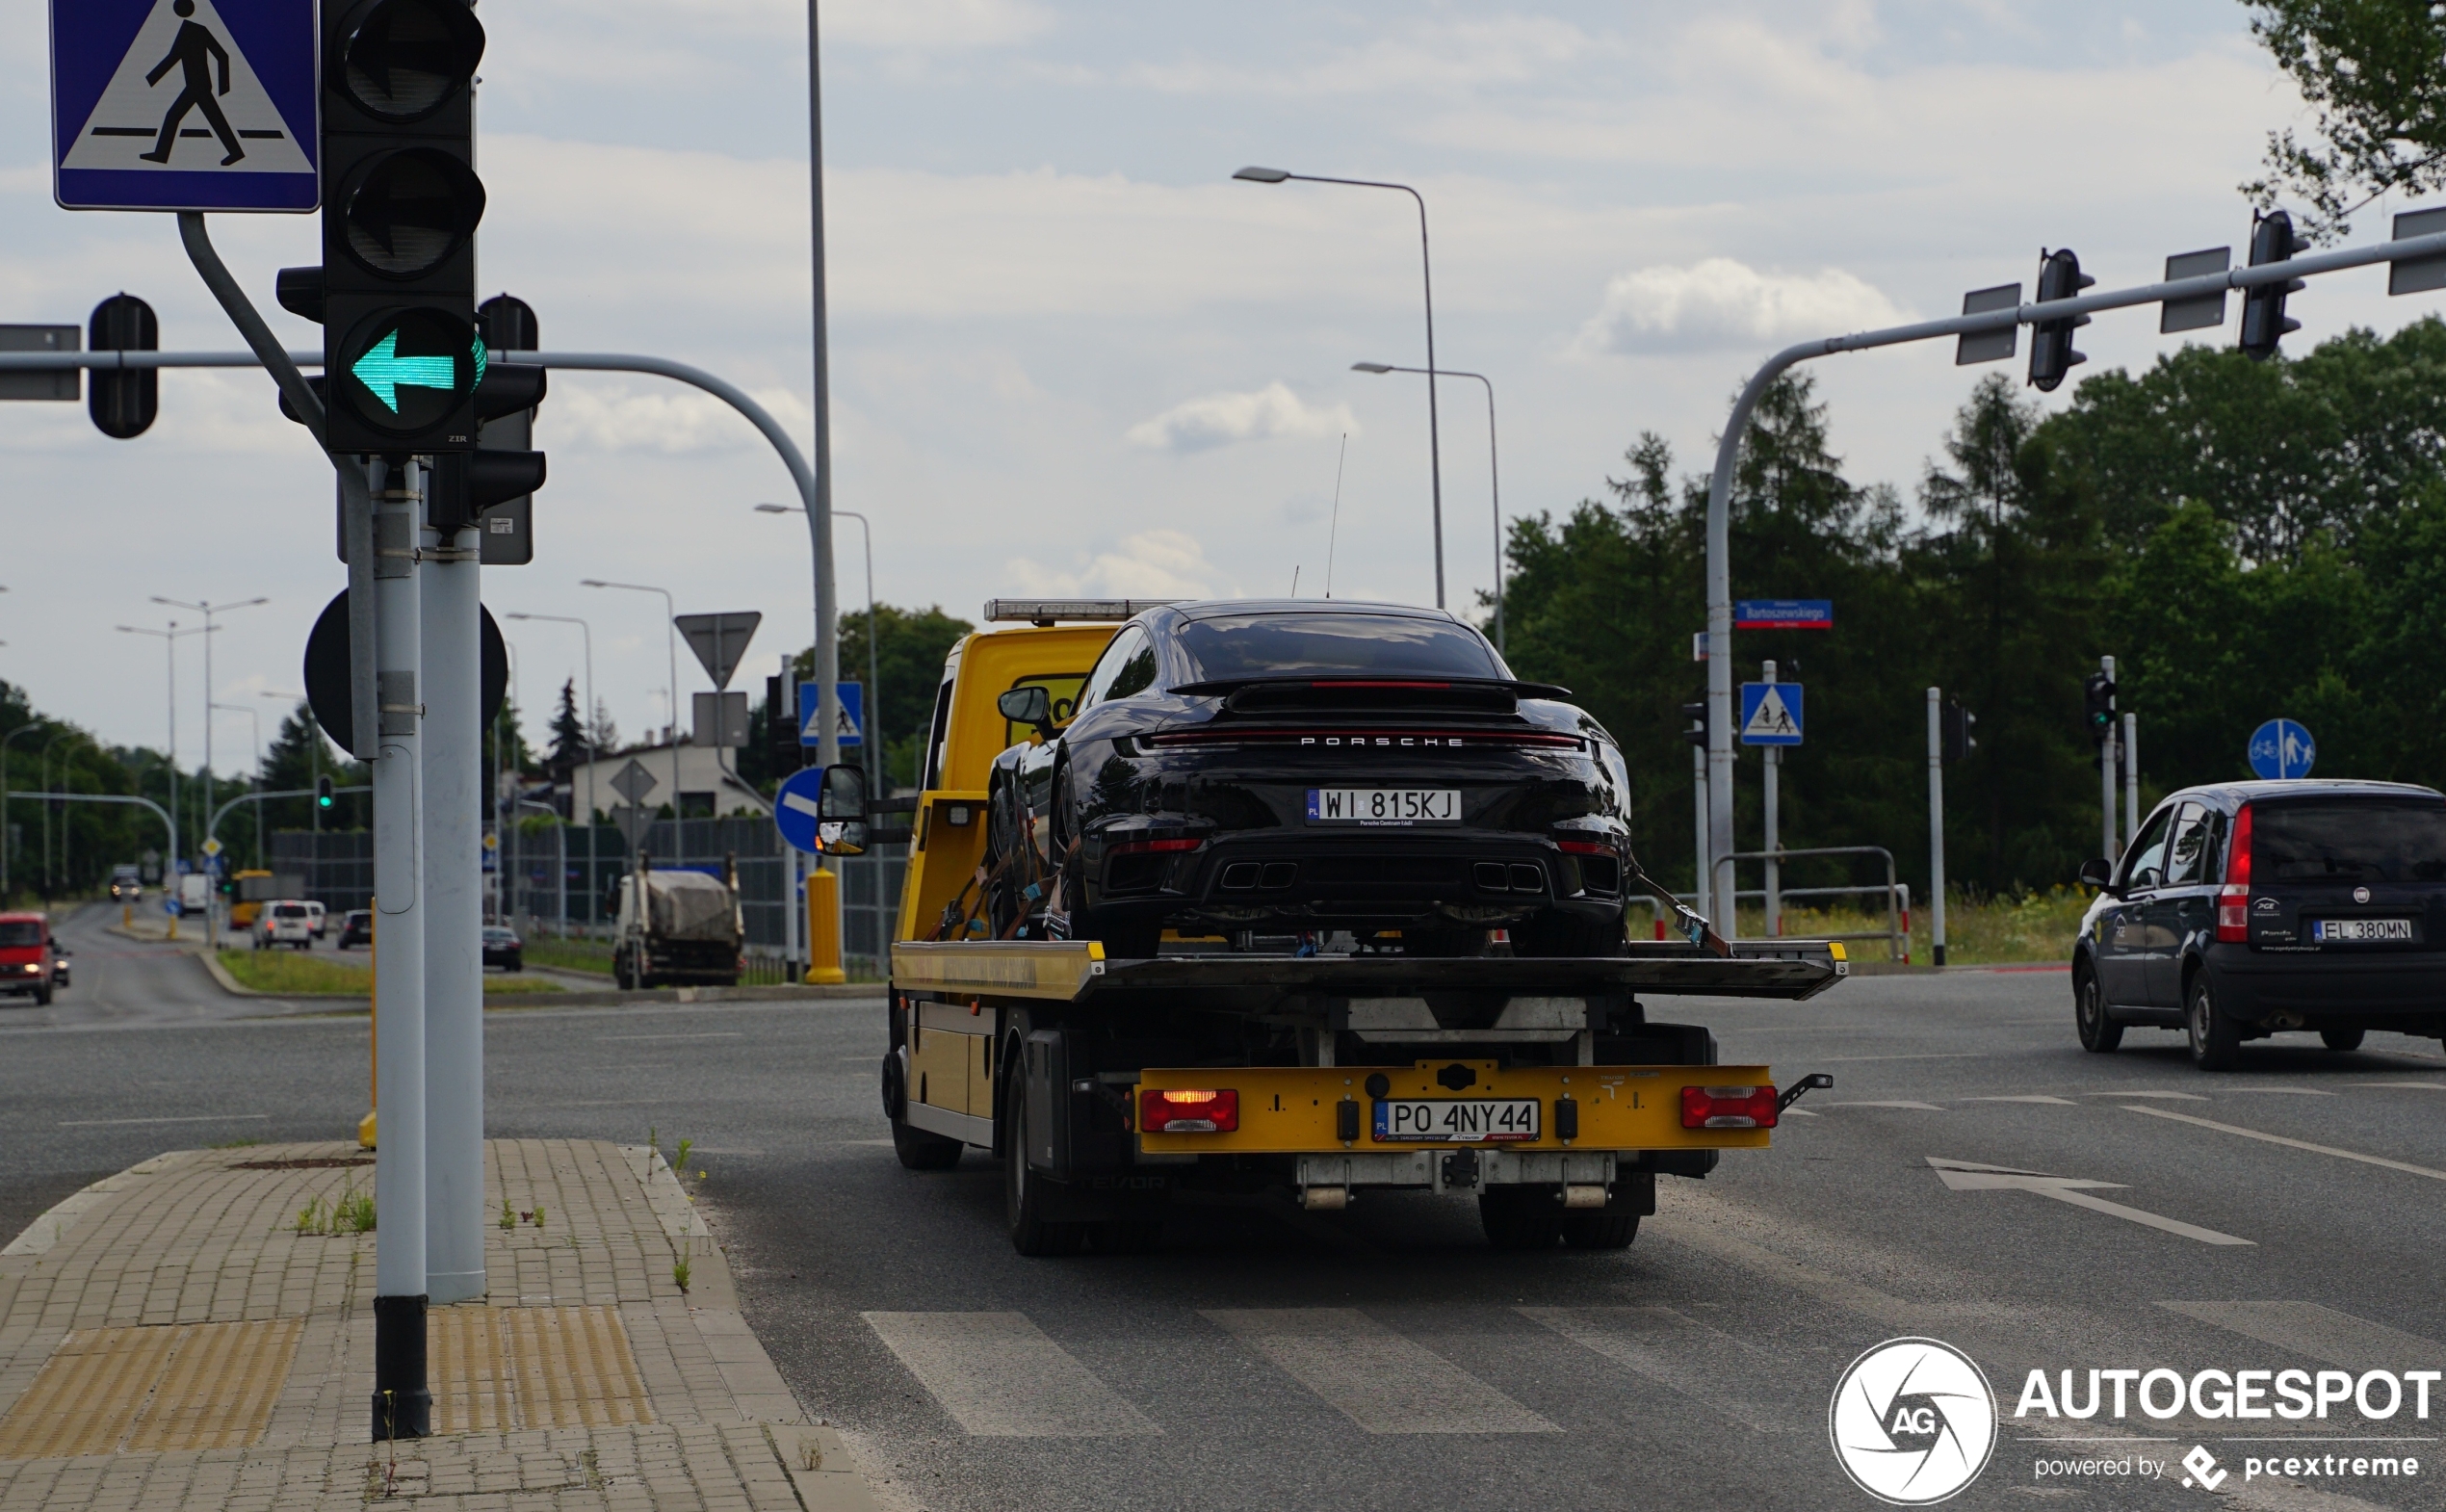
300,753
568,728
910,646
2374,72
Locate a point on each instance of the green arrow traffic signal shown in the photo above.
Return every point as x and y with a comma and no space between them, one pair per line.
384,371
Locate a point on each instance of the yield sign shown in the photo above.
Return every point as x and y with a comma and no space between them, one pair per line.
633,782
184,104
719,641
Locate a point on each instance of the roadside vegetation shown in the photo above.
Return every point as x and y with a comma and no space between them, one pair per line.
300,972
2034,929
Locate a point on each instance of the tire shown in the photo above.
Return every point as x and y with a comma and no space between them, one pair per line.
1520,1217
43,996
1556,933
1031,1232
1599,1228
2341,1039
921,1151
2100,1034
2216,1039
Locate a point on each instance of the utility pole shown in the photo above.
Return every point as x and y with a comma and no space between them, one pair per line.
1935,827
1774,842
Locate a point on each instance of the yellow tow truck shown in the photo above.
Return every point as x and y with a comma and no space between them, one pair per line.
1546,1090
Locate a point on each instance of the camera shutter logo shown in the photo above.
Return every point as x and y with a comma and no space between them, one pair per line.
1913,1421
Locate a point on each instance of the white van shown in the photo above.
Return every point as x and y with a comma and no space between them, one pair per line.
287,921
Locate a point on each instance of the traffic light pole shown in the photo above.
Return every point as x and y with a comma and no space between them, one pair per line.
449,625
1772,758
2106,760
2131,778
1699,868
1935,828
1720,704
402,1405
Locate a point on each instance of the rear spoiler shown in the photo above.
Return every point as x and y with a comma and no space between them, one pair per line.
1225,687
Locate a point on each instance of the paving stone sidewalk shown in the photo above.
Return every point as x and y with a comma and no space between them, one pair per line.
197,1333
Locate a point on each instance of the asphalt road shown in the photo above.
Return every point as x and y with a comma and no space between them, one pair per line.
1383,1357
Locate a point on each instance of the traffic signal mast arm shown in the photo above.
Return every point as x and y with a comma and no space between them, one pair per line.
1720,709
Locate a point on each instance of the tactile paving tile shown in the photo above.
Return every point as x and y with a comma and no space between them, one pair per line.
187,1386
505,1368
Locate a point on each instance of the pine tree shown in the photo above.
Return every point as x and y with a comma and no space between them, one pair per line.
568,728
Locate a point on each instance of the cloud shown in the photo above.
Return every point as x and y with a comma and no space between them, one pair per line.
1719,303
1150,564
1221,419
614,419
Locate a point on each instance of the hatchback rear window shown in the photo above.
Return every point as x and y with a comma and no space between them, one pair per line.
289,911
1275,645
20,932
2349,839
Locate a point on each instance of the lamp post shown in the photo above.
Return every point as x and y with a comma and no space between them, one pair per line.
169,640
585,728
875,676
257,719
1426,283
208,609
1494,471
671,637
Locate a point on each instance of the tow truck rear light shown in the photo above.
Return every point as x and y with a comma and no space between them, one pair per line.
2234,899
1728,1107
1195,1111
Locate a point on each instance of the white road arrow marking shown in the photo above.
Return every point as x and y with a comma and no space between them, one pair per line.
1973,1176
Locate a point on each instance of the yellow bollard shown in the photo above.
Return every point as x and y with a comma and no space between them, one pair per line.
127,916
823,929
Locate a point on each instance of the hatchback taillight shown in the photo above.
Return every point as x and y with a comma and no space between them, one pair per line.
1188,1110
2234,899
1728,1107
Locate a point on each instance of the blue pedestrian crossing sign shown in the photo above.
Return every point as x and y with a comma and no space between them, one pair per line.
853,714
1770,713
2283,748
183,105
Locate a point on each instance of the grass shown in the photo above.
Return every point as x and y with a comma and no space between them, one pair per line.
571,956
1979,931
300,972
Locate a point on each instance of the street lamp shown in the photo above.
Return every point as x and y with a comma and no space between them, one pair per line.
1495,478
257,719
875,676
671,635
169,640
1426,283
208,609
585,728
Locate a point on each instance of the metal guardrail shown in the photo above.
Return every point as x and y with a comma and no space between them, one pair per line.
1898,894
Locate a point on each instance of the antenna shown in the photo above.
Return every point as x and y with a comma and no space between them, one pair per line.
1295,580
1335,527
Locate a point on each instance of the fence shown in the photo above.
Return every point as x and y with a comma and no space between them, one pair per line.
1897,896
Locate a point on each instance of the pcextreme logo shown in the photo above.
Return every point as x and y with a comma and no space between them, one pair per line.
1913,1421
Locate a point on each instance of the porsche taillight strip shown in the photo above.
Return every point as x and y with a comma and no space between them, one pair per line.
1387,740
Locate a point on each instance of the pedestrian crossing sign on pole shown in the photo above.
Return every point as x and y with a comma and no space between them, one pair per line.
183,105
853,714
1770,713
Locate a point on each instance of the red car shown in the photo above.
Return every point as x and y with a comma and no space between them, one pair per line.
29,958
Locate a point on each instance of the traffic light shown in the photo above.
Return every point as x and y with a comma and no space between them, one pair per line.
2263,318
1696,733
1954,723
2098,694
397,289
508,325
322,793
781,726
2052,354
123,402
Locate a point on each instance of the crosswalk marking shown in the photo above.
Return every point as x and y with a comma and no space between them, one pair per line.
1000,1377
1378,1379
1677,1352
2319,1332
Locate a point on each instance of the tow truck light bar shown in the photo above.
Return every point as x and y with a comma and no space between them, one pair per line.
1051,610
1183,1111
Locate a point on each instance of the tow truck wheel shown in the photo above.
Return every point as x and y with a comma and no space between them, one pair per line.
1599,1229
1520,1217
1024,1204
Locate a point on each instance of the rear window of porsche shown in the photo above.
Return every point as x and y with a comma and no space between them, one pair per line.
1290,645
2349,839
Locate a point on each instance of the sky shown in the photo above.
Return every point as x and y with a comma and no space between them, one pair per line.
1070,353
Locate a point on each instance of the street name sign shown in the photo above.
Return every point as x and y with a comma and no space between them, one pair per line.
1783,614
1770,713
206,105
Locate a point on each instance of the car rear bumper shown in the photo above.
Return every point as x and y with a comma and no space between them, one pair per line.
1348,877
2405,990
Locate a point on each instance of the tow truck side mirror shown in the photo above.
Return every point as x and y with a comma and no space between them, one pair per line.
1033,705
840,818
2099,874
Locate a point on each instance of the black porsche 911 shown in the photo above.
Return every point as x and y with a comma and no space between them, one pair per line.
1304,767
